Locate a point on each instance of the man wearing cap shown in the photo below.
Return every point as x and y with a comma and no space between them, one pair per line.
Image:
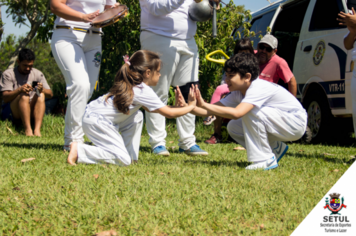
273,67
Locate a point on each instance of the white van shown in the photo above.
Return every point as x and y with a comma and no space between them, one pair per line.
311,41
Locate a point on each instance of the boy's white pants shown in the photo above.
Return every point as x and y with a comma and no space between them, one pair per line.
260,129
78,55
180,64
110,146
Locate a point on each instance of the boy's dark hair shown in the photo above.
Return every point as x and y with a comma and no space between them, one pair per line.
26,54
242,45
243,63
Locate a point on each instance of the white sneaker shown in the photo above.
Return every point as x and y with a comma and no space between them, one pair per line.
280,150
265,165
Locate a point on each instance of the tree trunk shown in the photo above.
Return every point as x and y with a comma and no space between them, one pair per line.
29,37
23,44
1,25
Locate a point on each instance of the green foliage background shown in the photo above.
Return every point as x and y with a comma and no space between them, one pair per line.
124,38
44,61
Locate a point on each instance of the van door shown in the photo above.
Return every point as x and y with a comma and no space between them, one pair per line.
320,65
320,55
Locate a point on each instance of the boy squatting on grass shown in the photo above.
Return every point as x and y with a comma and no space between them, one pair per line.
113,122
263,113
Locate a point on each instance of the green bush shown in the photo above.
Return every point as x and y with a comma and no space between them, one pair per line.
124,38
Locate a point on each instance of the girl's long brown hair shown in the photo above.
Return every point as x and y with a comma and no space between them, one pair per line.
132,75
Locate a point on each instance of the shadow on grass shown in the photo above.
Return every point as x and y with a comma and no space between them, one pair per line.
321,156
34,145
241,164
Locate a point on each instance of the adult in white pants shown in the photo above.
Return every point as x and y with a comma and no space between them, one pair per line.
349,20
168,30
76,47
117,144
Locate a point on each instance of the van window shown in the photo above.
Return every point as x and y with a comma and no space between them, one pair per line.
259,26
325,14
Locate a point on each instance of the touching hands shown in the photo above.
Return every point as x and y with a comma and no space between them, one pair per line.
348,20
90,17
192,101
200,100
179,99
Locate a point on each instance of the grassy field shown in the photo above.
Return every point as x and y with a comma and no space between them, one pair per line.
175,195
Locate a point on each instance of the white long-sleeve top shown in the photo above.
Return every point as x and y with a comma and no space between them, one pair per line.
86,7
168,18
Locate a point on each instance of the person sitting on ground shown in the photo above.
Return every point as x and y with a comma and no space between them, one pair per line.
243,45
113,122
272,68
262,113
24,90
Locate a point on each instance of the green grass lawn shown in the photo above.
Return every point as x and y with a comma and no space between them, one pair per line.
175,195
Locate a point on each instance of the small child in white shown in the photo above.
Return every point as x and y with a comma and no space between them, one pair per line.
113,122
263,114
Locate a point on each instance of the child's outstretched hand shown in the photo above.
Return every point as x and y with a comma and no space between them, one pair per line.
200,100
179,99
192,101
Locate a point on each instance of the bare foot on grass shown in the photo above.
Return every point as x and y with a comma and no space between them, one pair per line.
73,154
37,133
28,132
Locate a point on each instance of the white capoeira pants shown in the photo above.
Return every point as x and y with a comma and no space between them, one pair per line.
78,55
260,130
114,144
180,65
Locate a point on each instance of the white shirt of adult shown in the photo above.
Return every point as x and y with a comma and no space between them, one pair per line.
169,18
86,7
143,96
262,93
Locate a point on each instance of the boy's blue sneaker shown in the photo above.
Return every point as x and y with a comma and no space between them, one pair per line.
194,151
161,150
265,165
280,150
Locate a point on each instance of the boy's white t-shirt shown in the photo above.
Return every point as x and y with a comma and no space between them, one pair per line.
143,96
262,93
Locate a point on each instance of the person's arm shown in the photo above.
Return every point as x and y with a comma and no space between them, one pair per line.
219,109
59,8
349,40
164,7
174,112
292,86
9,96
349,21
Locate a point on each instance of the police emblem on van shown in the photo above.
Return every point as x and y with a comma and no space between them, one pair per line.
319,52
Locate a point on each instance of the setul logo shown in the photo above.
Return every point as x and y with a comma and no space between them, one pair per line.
335,206
335,222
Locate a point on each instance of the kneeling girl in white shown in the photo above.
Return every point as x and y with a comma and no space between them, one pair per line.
113,122
263,114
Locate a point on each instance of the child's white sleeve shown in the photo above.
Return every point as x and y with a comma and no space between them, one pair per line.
148,98
232,100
